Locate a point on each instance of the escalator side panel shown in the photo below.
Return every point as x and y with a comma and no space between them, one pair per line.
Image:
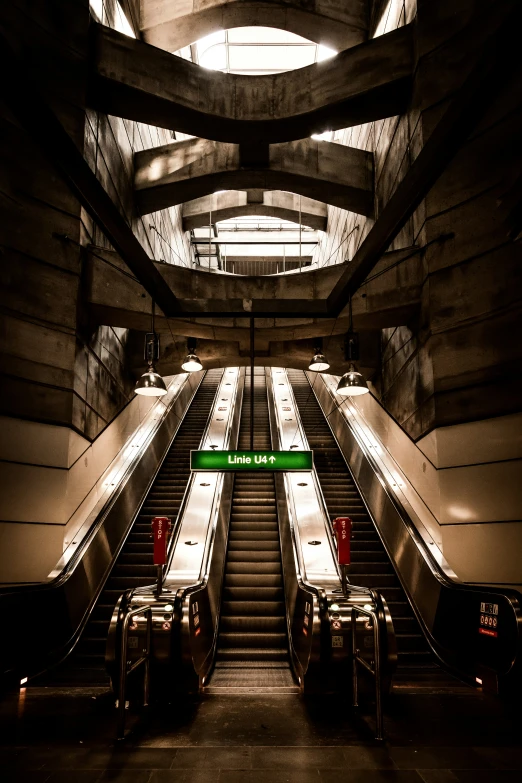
61,608
449,613
134,566
370,566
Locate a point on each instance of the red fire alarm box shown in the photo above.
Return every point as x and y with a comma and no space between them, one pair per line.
343,531
160,533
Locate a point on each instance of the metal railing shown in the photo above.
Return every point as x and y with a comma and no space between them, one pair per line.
375,671
126,667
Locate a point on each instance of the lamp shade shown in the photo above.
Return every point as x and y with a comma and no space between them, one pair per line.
352,383
191,363
151,384
319,363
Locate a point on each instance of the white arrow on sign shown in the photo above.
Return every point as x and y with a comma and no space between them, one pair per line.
272,459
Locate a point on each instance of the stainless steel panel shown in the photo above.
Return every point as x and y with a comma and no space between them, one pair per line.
449,612
183,657
320,639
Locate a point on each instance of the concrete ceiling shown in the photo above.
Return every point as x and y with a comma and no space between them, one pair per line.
129,78
186,170
174,25
236,203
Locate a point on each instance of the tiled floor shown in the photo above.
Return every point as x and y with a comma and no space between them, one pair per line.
66,736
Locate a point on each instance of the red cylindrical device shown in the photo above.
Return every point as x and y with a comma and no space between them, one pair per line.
343,531
160,534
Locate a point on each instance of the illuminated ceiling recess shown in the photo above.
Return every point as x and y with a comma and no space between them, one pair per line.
255,51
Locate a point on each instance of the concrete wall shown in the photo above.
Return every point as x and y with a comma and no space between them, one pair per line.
390,141
460,363
54,483
63,381
110,144
451,378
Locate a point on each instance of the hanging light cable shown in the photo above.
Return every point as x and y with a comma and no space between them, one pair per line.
352,383
151,384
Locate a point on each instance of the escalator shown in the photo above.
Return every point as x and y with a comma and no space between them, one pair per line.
371,566
134,565
252,647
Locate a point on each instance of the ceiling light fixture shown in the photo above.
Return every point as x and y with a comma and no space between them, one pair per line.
192,362
319,362
151,384
352,384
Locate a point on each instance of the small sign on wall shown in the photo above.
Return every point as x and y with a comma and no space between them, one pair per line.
488,623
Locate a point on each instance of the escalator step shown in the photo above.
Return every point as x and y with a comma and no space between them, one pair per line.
244,654
253,555
258,593
253,608
252,630
253,568
253,580
243,536
243,624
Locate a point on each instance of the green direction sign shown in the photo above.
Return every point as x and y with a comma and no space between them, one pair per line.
251,460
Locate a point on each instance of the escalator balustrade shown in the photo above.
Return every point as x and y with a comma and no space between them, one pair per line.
134,565
371,566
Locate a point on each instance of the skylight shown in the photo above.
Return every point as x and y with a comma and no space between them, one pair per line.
258,50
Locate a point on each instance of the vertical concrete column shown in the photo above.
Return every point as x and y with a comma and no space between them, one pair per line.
454,379
61,383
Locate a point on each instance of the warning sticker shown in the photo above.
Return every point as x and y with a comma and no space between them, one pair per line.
487,632
337,641
133,642
488,619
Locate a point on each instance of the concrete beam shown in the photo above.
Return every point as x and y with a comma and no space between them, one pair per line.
182,171
131,79
334,23
221,302
237,203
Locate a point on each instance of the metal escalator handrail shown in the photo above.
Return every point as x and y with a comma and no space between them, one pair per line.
276,438
174,537
125,669
322,502
297,548
232,422
372,597
180,594
435,567
375,671
513,597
